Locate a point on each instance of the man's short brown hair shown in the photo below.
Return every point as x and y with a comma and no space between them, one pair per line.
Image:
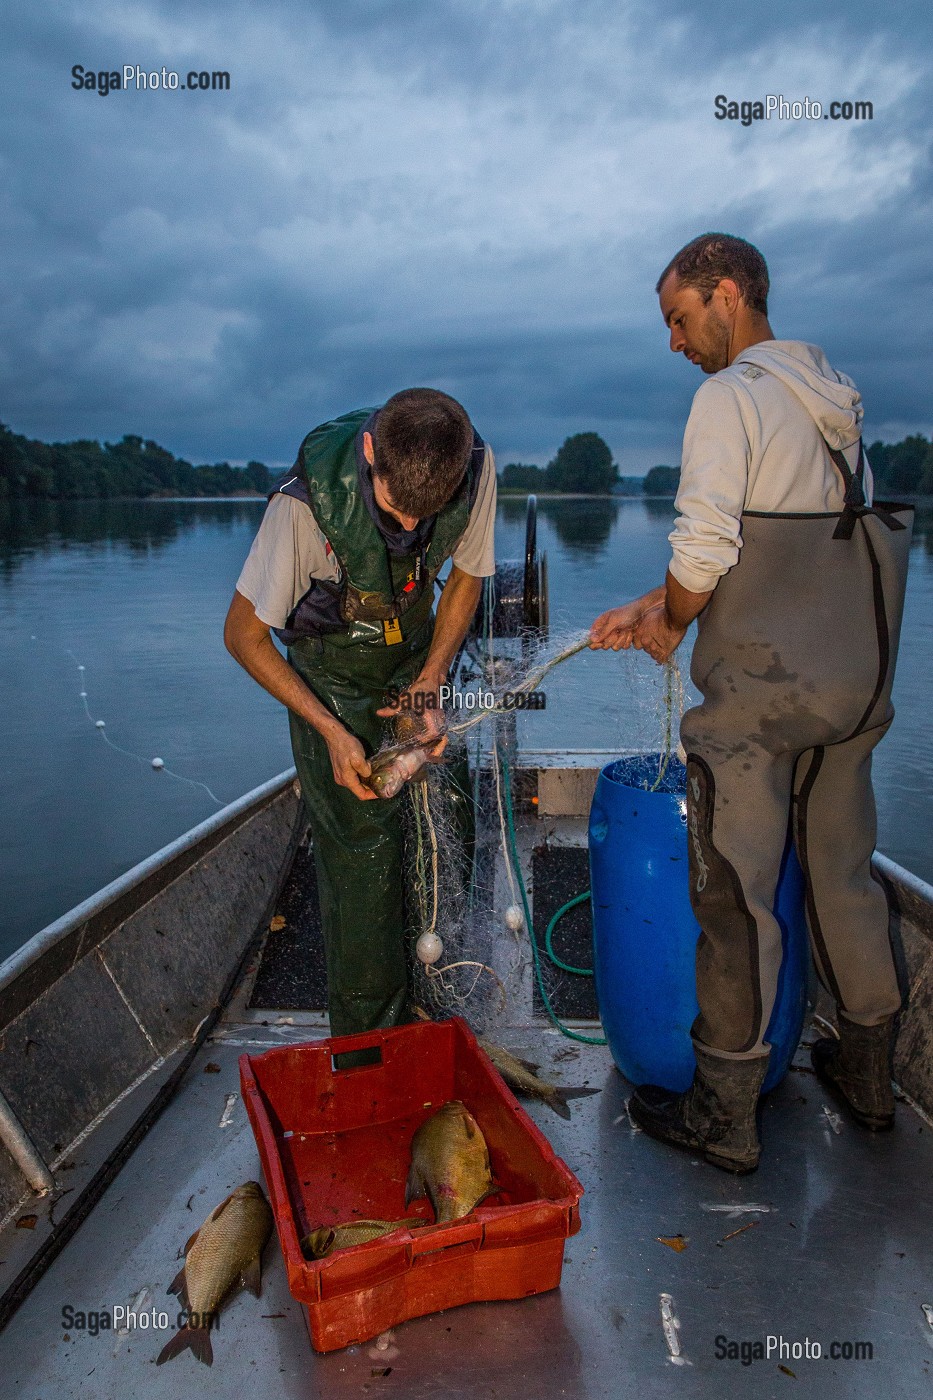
422,442
703,264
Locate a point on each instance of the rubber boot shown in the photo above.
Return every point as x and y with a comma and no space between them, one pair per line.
857,1068
715,1117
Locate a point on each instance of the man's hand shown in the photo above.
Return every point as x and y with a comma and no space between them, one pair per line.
247,639
615,630
426,712
432,720
656,623
349,763
657,634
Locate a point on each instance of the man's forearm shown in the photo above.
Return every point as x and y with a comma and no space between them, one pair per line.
682,606
454,614
267,665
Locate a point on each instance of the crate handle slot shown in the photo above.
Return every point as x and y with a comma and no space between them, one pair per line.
357,1042
376,1063
427,1242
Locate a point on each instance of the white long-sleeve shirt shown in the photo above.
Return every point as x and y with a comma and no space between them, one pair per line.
753,442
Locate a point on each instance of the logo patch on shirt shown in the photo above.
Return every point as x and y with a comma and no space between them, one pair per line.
752,372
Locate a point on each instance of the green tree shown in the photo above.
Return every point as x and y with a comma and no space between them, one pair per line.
662,481
583,463
517,476
926,476
258,477
900,467
905,463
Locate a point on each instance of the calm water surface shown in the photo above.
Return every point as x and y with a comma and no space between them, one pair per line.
136,592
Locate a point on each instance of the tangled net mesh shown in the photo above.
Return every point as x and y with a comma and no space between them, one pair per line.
468,897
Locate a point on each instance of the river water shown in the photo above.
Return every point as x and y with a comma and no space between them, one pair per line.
135,592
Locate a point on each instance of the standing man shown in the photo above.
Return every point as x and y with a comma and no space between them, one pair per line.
798,584
343,570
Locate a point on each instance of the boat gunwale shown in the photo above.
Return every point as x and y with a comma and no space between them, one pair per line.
91,920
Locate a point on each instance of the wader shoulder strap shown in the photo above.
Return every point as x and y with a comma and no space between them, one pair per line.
854,502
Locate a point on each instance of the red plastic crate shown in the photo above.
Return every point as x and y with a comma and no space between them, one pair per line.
335,1146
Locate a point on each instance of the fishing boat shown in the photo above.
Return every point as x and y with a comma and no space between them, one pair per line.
122,1126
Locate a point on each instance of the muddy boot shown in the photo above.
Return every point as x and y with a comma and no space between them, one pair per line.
715,1117
857,1067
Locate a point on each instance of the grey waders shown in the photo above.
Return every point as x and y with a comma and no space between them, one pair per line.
795,661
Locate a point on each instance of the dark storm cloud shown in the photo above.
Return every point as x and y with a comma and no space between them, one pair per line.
475,196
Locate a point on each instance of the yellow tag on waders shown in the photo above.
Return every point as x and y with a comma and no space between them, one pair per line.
392,630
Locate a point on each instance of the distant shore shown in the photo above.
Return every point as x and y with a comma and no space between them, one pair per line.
522,492
124,500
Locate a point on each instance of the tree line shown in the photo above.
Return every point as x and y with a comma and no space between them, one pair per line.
139,467
584,465
134,466
903,468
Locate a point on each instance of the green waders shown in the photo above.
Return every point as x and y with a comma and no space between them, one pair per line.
358,846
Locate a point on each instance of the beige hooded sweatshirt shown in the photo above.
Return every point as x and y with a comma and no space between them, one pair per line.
753,442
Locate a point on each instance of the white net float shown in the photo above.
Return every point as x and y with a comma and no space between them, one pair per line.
429,948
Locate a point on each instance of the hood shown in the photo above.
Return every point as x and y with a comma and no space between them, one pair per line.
830,397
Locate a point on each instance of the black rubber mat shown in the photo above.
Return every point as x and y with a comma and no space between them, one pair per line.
558,873
291,974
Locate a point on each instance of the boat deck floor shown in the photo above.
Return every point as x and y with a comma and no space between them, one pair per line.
830,1241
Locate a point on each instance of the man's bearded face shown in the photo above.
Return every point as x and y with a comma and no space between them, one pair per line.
698,329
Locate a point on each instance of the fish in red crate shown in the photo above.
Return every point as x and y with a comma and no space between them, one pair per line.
450,1163
320,1243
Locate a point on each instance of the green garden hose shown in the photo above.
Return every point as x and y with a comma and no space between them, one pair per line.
513,844
549,932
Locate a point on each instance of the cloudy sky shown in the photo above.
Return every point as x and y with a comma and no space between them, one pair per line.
477,196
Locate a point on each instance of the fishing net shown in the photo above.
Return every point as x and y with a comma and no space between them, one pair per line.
471,950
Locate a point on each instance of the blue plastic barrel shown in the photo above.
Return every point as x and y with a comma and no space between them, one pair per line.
645,933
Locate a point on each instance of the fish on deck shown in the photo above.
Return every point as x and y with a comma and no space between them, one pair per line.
225,1250
522,1078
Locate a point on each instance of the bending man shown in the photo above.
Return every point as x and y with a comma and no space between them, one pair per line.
343,570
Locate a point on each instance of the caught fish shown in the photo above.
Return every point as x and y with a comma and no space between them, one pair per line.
403,763
522,1078
450,1163
225,1250
327,1238
392,768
